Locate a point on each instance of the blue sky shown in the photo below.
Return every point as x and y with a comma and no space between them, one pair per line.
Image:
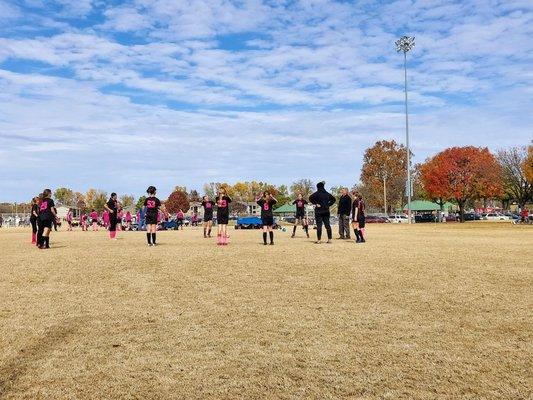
119,95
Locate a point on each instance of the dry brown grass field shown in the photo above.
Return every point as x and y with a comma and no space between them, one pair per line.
421,312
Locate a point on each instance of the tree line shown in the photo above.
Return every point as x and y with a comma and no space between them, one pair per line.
462,175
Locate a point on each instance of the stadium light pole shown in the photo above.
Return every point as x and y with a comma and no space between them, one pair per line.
405,44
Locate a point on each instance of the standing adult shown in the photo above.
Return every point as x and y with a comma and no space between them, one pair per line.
344,210
322,201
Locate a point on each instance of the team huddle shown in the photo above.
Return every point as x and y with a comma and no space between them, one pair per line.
44,215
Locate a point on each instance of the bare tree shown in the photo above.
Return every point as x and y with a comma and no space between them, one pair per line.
515,184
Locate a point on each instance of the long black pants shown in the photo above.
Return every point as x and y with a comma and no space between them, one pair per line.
323,218
112,223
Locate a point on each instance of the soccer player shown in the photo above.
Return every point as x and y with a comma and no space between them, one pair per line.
69,218
208,206
300,217
358,217
112,211
266,202
152,205
223,201
180,217
322,200
128,221
94,219
83,220
46,216
34,218
120,215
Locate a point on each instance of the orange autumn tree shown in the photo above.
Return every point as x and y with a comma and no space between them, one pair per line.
177,200
384,174
462,174
528,165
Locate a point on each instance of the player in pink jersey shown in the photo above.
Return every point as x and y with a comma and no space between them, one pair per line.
69,218
94,219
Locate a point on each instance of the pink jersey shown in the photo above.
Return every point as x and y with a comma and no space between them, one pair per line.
106,216
69,216
128,217
94,215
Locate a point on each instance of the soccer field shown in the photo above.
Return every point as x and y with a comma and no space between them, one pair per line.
421,312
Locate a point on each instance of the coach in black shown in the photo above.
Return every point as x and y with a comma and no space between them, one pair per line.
322,201
344,210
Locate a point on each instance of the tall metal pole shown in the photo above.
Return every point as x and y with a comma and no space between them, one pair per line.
407,142
405,44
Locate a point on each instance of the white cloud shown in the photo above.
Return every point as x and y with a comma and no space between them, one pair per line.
305,87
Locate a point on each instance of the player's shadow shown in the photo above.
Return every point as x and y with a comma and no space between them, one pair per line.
12,370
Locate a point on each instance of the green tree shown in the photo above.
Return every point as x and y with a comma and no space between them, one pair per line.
140,203
64,196
303,186
127,200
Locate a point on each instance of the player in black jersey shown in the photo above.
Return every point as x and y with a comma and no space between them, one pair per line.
358,217
47,215
34,218
208,206
112,207
300,217
266,202
152,205
222,201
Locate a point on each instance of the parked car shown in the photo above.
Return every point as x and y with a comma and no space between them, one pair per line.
398,219
426,217
471,216
451,218
496,217
251,222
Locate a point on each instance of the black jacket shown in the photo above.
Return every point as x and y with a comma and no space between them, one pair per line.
324,199
345,205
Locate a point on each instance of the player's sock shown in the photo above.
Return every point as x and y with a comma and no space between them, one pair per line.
153,238
149,237
271,234
264,238
46,241
294,230
205,232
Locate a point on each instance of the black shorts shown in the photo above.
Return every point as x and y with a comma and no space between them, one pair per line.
46,223
300,216
222,219
267,221
208,218
94,221
151,219
361,222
